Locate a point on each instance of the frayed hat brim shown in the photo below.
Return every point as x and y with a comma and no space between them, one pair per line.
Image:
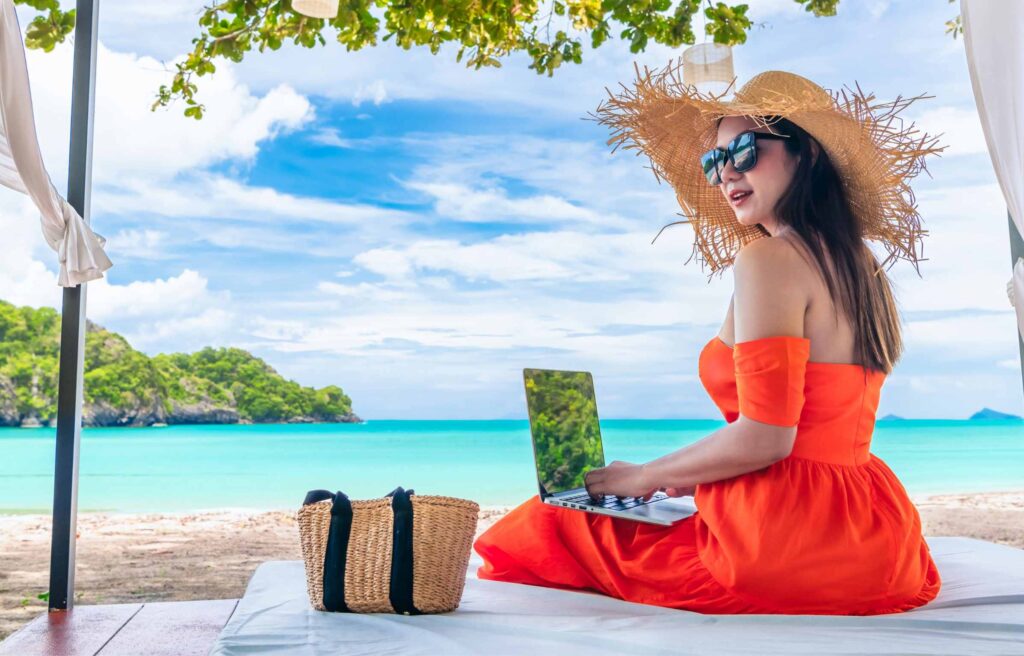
874,151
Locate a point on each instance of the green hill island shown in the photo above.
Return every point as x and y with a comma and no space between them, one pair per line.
125,387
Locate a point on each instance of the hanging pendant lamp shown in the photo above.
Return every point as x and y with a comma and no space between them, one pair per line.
708,66
316,8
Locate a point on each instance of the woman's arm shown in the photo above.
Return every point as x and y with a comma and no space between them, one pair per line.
771,299
743,446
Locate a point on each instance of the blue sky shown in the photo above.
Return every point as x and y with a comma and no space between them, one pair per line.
418,232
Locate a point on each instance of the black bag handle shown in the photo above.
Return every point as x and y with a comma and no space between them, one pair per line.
339,533
315,496
400,592
337,553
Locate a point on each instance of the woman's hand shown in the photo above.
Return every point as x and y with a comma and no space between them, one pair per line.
621,479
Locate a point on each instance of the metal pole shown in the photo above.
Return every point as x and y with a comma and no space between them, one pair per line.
72,332
1016,251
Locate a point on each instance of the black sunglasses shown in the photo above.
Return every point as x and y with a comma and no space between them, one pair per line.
741,151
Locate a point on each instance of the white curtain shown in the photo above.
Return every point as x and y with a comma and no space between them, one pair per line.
79,249
994,40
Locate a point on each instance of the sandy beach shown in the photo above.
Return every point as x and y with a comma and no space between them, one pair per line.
211,555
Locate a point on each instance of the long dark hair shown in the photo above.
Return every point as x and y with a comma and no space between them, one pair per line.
816,207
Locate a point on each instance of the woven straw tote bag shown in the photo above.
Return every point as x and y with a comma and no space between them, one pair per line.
404,553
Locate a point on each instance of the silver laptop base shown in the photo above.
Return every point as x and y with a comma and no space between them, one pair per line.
665,511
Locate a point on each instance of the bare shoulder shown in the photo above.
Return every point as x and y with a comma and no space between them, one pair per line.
768,251
777,261
771,289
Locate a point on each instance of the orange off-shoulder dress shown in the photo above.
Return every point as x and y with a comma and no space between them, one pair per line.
828,530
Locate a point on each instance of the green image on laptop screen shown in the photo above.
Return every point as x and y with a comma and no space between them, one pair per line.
564,424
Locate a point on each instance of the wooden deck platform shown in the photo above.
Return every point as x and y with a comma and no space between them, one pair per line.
177,628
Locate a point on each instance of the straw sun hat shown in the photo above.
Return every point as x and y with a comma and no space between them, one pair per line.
875,154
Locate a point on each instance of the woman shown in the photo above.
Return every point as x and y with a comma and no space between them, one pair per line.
795,515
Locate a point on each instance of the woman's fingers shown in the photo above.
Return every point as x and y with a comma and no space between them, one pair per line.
618,479
591,480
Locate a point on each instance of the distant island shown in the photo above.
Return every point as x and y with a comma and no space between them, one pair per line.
989,413
125,387
984,413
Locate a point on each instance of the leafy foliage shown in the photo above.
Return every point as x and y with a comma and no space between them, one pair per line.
954,26
485,31
51,27
564,422
29,346
258,392
124,379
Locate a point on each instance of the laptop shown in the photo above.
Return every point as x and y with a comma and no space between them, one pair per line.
567,444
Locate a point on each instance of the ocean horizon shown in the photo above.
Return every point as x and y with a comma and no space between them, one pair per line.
272,466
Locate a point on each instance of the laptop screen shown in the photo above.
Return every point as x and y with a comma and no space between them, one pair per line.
564,425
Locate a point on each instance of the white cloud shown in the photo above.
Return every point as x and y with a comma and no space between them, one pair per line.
764,8
972,207
537,256
960,129
331,137
210,327
24,279
134,143
155,164
159,313
364,290
137,243
489,261
375,92
877,8
265,239
967,251
387,262
978,336
582,171
619,301
479,322
461,203
177,313
213,196
172,297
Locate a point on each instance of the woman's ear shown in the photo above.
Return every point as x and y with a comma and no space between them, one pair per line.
814,152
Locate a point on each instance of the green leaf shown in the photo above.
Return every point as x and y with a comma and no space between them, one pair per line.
483,33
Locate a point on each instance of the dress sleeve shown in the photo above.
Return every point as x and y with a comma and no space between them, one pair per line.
770,378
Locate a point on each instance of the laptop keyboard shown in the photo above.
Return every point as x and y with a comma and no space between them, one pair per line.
612,502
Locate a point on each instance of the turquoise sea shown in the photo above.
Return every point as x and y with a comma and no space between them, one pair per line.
185,468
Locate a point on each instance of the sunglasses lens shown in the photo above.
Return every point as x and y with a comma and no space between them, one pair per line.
712,162
744,152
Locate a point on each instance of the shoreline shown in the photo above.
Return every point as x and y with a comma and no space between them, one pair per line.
211,554
987,499
51,424
32,424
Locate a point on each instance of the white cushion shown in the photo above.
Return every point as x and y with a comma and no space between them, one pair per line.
979,610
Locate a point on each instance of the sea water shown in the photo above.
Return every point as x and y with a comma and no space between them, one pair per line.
187,468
